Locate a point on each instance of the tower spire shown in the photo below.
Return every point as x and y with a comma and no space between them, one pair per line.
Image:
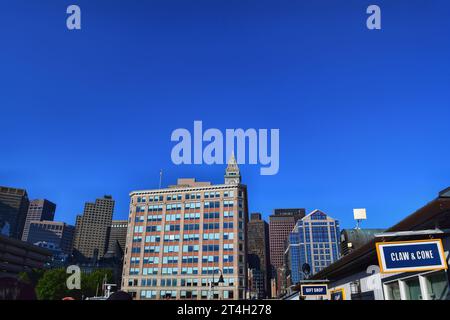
232,172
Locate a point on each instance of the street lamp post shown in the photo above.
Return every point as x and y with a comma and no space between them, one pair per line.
213,283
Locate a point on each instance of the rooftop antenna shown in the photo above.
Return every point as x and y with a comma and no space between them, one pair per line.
359,215
160,178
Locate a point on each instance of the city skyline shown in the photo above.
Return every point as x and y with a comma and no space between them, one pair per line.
119,214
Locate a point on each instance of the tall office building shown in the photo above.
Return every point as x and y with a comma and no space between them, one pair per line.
13,211
58,233
258,256
281,224
313,241
118,235
181,239
92,229
39,210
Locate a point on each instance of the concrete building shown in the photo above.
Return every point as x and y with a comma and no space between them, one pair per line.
59,234
281,224
258,256
13,211
182,239
313,241
18,256
118,235
38,210
92,230
357,275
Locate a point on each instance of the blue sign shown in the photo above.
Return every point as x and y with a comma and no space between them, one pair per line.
314,290
409,256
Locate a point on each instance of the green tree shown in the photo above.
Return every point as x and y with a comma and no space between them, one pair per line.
52,285
91,283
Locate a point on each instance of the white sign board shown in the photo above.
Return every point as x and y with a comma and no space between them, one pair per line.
359,214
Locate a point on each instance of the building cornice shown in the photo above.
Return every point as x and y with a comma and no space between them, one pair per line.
186,189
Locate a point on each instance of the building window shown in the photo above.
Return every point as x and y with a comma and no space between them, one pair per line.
393,291
437,284
412,287
228,294
168,294
148,294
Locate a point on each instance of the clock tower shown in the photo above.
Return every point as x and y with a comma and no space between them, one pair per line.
232,173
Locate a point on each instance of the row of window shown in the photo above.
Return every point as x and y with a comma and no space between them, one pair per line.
150,198
187,196
185,248
186,227
186,237
183,282
187,206
184,270
185,294
187,216
185,259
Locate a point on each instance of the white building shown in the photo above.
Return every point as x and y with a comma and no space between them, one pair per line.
357,276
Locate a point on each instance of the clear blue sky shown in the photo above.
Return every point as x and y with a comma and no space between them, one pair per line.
363,115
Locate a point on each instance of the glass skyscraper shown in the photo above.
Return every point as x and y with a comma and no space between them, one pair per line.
315,241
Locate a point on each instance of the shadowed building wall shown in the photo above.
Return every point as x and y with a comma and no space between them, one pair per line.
13,211
92,229
258,255
38,210
58,233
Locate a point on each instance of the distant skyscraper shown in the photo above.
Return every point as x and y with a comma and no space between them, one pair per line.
182,238
58,233
118,234
13,211
92,229
281,224
315,241
258,255
38,210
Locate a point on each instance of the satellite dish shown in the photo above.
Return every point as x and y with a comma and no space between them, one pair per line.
359,215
